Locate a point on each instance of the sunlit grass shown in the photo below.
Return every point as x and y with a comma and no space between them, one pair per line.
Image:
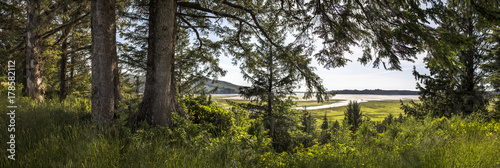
53,134
375,110
222,101
315,103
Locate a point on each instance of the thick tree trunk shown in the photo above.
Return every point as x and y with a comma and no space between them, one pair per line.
160,95
63,91
105,83
62,73
469,76
34,65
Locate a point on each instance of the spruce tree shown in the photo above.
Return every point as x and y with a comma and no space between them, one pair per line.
336,126
353,115
492,69
459,87
324,125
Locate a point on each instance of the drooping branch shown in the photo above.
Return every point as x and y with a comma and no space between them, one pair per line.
197,16
51,32
195,31
199,7
254,18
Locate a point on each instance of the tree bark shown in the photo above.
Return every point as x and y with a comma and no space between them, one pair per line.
105,82
160,95
270,92
63,91
63,67
35,87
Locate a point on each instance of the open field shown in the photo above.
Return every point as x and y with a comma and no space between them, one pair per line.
376,107
222,101
376,110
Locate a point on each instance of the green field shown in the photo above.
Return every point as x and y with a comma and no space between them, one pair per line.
222,101
375,110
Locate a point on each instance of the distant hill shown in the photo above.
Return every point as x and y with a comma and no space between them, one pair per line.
376,92
229,88
223,87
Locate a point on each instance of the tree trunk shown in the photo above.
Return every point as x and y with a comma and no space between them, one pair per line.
469,57
105,82
270,96
64,59
34,65
62,74
160,95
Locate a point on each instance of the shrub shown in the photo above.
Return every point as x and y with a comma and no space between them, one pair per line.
208,114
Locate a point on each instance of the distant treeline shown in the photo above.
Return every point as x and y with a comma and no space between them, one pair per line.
229,88
377,92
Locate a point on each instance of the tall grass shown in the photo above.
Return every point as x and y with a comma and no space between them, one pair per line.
53,134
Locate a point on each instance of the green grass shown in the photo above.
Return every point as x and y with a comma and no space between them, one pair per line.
376,110
53,134
222,101
315,103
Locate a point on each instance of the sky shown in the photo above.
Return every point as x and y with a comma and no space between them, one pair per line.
352,76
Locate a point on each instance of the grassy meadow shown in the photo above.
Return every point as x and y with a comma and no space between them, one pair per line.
375,110
222,100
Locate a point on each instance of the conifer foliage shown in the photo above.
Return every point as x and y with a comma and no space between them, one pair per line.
457,88
353,115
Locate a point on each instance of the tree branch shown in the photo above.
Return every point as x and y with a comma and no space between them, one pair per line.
197,16
49,33
194,29
199,7
254,18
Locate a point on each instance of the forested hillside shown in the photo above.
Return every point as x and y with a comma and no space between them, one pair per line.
223,87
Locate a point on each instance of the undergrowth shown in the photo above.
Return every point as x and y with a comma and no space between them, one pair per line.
53,134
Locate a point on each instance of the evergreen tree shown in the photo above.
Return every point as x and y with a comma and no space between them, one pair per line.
308,123
324,125
336,126
106,92
493,69
400,118
458,89
325,134
308,127
353,115
388,120
12,38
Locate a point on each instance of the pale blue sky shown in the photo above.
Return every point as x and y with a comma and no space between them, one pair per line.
352,76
